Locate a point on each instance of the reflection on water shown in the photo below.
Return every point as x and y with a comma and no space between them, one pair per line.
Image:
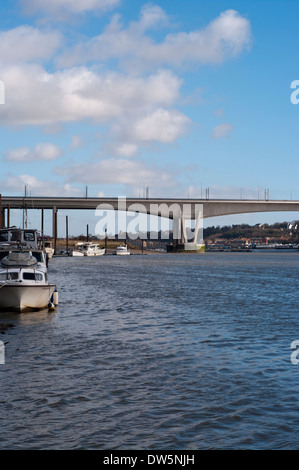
156,352
28,317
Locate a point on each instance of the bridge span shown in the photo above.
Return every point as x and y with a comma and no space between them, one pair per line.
165,207
177,209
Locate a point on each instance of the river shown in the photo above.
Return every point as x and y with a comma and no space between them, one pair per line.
157,351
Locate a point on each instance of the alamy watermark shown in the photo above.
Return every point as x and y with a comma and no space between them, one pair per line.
2,353
141,220
2,92
295,346
295,94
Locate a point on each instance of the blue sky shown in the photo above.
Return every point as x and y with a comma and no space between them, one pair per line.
118,95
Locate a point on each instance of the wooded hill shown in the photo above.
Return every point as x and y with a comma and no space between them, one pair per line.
288,231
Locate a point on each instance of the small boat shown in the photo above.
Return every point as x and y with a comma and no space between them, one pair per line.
92,249
24,281
122,250
77,251
23,272
88,249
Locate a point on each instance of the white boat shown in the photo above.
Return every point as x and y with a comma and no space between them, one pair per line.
92,249
77,251
24,281
88,249
122,250
23,272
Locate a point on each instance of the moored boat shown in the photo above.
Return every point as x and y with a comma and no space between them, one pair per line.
24,282
93,249
88,249
23,272
77,250
122,250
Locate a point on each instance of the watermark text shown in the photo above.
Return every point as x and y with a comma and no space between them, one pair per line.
2,353
141,220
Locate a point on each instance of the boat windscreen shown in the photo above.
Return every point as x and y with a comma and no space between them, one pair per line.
3,236
38,256
3,254
16,236
29,236
32,276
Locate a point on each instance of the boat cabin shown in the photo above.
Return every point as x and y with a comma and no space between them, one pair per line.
21,266
22,275
18,237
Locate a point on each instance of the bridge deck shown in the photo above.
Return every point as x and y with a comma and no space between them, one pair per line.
154,206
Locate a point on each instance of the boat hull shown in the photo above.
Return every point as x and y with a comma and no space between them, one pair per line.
77,253
25,297
95,253
122,250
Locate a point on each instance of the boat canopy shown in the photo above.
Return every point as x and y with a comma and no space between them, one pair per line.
19,259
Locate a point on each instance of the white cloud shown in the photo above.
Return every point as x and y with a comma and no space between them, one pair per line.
136,108
125,150
225,37
222,131
36,187
76,142
26,44
117,171
151,16
42,151
61,9
35,97
160,125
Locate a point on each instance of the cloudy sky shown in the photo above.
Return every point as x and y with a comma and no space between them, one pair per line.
120,95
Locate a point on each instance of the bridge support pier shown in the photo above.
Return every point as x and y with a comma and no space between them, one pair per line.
197,243
54,234
181,239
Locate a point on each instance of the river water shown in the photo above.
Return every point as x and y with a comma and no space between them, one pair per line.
160,351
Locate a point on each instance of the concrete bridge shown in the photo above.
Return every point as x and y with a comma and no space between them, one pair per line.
211,207
179,210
